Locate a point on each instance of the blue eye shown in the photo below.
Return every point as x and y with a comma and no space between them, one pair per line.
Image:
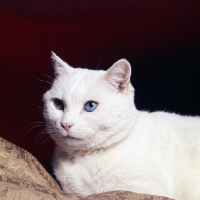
90,106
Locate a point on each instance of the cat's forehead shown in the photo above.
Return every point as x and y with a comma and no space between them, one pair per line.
81,77
81,84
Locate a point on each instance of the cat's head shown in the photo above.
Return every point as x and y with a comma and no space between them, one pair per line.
89,109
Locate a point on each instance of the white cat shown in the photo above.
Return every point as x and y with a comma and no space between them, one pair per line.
103,143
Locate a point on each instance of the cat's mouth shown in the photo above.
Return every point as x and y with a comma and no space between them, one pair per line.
68,137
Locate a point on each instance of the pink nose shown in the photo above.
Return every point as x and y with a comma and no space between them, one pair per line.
67,126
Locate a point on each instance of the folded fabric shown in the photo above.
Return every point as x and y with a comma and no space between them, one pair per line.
23,177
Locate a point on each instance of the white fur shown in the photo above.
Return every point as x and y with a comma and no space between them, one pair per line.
119,147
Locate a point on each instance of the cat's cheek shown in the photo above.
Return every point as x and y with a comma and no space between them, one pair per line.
54,118
56,114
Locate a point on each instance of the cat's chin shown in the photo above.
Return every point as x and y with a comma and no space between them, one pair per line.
70,143
73,143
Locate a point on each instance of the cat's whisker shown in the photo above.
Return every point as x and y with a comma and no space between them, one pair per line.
34,125
39,122
45,134
49,77
48,138
41,136
41,109
100,62
45,81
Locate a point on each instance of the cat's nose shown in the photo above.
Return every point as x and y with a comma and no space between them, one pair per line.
67,126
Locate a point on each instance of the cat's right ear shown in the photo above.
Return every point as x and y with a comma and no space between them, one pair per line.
60,66
119,75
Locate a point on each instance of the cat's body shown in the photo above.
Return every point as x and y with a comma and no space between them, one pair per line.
115,146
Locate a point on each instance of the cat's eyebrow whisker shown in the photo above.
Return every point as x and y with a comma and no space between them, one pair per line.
100,61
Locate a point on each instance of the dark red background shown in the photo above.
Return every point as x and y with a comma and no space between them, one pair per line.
161,39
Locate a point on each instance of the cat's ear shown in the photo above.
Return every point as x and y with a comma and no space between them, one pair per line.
119,75
59,65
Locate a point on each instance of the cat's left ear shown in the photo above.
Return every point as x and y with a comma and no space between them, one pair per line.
119,75
59,65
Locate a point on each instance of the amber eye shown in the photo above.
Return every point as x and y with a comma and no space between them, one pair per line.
58,104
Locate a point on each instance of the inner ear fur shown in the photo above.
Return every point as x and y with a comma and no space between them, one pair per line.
59,65
119,75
